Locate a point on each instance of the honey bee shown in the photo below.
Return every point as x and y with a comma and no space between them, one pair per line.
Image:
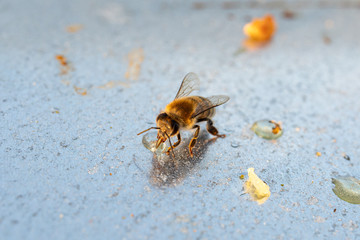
185,112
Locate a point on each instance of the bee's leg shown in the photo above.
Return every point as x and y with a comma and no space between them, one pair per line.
211,129
193,140
175,144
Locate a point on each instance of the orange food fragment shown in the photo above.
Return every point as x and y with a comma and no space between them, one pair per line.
276,129
62,60
65,67
261,29
74,28
80,91
318,154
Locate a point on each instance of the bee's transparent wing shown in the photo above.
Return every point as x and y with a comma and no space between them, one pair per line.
190,83
214,100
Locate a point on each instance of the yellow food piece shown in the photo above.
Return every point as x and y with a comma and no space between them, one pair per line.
257,189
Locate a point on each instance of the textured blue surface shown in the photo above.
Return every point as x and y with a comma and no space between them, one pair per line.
55,166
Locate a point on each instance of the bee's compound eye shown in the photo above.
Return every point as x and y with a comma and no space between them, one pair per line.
161,116
175,127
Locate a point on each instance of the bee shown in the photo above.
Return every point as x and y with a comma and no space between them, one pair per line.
185,112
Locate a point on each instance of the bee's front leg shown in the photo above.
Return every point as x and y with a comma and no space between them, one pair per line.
175,144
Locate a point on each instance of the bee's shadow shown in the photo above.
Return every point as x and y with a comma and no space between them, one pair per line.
168,170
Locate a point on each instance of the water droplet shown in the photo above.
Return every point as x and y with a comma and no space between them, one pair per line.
235,144
347,188
267,129
149,141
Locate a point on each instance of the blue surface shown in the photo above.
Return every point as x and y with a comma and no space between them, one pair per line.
55,167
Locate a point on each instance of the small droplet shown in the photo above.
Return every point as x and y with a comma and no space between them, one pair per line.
347,188
235,144
267,129
149,141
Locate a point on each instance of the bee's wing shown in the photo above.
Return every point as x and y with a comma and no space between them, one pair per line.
214,100
190,83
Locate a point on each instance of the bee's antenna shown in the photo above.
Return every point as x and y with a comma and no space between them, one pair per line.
172,149
148,130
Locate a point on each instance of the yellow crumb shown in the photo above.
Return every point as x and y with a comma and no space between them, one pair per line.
258,190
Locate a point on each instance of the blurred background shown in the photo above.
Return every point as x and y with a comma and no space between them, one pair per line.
79,79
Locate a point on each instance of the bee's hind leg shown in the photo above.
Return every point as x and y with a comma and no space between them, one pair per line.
175,144
193,140
211,129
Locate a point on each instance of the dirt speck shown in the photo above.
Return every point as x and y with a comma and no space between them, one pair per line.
326,39
288,14
198,5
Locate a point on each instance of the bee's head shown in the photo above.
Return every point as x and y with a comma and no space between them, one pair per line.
167,128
